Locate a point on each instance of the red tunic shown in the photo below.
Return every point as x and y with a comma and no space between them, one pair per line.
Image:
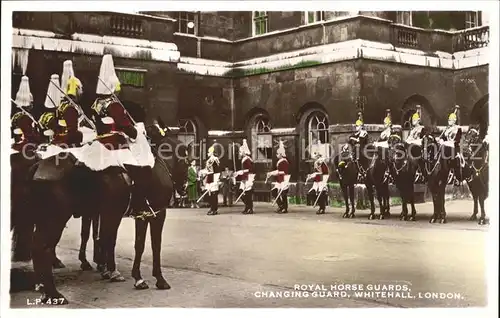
122,121
25,123
246,164
282,167
72,136
324,171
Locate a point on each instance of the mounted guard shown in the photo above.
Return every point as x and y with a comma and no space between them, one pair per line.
120,143
246,177
211,181
68,113
24,126
387,132
360,137
280,189
320,186
450,139
414,144
48,121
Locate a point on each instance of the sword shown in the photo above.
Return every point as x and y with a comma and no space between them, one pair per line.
27,113
117,99
241,195
276,199
204,193
80,110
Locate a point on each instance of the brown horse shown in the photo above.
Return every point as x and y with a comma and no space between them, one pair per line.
61,188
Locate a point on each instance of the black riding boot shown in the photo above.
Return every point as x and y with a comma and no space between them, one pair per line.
214,204
244,199
249,202
284,200
322,202
143,189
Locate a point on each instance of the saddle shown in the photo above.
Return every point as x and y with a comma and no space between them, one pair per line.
54,168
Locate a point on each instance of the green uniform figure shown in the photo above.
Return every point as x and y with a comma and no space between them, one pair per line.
192,185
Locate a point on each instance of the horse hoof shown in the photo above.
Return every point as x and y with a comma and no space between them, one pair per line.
443,221
483,221
116,276
381,217
402,217
56,300
352,216
58,264
473,217
161,283
141,284
345,215
412,218
371,217
85,266
433,220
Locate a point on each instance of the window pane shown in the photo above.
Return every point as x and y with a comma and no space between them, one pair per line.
310,16
182,26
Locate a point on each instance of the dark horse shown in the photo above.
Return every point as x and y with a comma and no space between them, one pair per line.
347,172
475,171
374,173
437,166
62,187
22,225
403,170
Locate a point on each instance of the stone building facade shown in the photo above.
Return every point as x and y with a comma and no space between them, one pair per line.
296,76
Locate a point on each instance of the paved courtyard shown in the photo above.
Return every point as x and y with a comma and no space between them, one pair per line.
235,260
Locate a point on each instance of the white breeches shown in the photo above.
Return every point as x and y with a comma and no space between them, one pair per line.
280,186
318,186
417,142
246,185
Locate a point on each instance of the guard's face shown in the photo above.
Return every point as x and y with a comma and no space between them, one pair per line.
451,122
415,121
240,154
358,128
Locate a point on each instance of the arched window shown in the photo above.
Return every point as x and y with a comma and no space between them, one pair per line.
317,129
187,132
262,145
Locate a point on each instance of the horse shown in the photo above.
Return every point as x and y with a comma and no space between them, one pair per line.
373,169
61,187
403,170
437,167
22,226
347,172
475,171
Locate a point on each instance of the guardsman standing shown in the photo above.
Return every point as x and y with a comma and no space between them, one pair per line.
212,181
192,184
280,190
320,187
450,138
245,176
48,121
68,114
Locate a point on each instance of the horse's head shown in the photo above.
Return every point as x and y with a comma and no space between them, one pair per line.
170,152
